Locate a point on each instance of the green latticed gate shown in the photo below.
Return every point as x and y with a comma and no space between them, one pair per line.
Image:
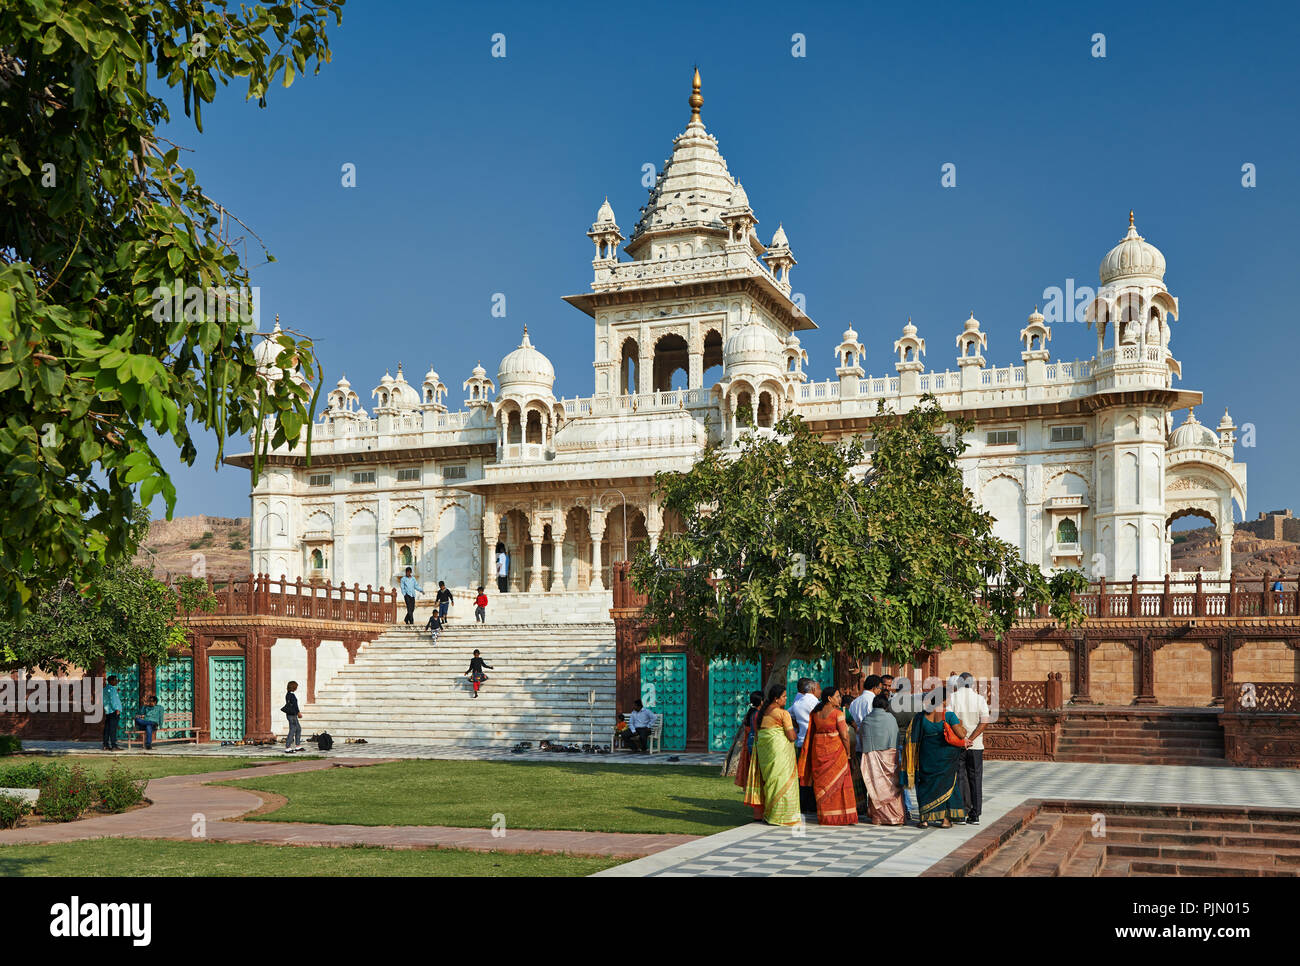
128,689
821,670
226,698
174,683
730,684
663,691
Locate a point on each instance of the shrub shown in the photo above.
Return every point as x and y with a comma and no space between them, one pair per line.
10,745
12,810
236,544
119,790
30,774
66,794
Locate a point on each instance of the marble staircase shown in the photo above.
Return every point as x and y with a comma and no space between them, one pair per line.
403,687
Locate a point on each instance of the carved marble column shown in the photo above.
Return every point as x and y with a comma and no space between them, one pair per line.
536,534
596,528
557,561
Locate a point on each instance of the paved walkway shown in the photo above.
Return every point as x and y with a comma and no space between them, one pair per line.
184,807
873,850
385,750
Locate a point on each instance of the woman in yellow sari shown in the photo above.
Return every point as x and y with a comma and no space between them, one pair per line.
772,781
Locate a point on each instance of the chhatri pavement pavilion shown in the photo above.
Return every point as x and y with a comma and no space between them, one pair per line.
1083,464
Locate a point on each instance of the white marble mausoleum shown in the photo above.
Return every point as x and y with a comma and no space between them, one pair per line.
1083,463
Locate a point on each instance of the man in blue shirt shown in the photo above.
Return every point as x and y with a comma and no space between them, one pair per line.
409,589
112,709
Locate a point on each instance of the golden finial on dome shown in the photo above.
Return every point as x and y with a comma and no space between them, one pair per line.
1130,217
696,100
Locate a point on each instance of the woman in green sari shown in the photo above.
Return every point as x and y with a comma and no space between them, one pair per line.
929,764
773,779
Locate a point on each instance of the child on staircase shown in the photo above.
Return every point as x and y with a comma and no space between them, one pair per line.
480,607
475,672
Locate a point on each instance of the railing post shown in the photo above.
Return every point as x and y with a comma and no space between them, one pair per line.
1133,598
1231,610
1198,604
1166,604
1268,596
1103,608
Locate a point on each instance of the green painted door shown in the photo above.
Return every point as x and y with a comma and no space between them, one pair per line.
174,683
226,698
128,689
730,684
821,670
663,691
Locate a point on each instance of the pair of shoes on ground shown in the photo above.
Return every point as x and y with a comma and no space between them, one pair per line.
289,751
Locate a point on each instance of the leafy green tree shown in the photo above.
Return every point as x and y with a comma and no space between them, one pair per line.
794,547
124,616
123,303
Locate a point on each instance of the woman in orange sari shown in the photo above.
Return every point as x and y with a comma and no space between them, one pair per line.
749,728
824,762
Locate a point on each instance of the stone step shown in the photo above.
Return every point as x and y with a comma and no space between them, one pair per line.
1278,844
1145,759
1088,861
1021,848
1052,856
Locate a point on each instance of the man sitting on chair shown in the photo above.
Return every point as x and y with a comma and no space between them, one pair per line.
639,724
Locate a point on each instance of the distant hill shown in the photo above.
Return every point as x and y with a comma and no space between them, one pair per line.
172,545
1252,556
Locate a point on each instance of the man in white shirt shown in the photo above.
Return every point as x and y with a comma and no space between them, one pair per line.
801,707
860,706
973,712
503,568
639,725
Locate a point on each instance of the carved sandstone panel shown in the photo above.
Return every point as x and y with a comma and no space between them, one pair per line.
1266,661
1034,660
1187,674
1114,667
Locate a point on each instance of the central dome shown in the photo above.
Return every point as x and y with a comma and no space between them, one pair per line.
1134,256
752,344
526,366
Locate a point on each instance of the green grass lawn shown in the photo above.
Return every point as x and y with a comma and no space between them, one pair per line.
146,857
145,766
537,795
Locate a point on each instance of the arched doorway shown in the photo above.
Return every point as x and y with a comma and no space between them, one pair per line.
671,358
629,368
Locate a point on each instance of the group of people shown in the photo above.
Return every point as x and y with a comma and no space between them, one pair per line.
889,755
410,587
148,719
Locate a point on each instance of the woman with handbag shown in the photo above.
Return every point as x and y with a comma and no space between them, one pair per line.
931,753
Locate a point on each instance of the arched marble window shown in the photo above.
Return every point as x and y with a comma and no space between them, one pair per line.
1067,532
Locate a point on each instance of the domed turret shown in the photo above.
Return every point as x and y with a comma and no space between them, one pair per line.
752,346
1193,434
526,368
479,387
1133,257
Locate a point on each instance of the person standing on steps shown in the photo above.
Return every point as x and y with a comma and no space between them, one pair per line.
475,672
480,607
503,568
444,600
410,587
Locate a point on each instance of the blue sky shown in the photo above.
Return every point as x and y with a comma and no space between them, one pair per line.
478,175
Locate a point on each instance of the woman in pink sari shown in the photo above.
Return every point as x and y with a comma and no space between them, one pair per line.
879,731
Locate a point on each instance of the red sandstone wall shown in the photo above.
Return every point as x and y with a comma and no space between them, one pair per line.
1113,670
1266,661
1034,660
1187,674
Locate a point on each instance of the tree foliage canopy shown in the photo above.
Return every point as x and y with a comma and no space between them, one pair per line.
792,547
124,616
102,233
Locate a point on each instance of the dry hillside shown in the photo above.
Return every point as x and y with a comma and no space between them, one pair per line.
1251,556
173,545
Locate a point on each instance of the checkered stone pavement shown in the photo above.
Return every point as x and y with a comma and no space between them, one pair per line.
871,850
809,850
